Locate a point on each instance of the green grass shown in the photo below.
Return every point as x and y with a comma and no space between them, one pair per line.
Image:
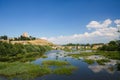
83,54
55,63
89,61
44,56
20,70
26,70
22,57
110,54
63,67
102,61
107,54
64,70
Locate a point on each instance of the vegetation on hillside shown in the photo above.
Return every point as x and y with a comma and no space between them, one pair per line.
10,52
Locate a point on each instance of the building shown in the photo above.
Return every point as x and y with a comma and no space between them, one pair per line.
96,46
25,34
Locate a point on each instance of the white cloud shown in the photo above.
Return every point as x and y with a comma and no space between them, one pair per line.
97,25
102,32
117,22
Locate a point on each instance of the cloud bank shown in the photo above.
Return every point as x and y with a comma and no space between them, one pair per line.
101,32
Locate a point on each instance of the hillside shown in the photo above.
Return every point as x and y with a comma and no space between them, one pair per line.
34,42
40,42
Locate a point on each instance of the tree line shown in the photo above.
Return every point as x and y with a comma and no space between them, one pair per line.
5,37
111,46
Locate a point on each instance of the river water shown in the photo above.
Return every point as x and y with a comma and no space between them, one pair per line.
85,71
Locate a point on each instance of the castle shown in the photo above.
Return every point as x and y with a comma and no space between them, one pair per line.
25,34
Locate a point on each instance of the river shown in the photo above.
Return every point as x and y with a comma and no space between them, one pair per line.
85,71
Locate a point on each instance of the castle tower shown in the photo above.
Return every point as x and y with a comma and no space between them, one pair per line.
25,34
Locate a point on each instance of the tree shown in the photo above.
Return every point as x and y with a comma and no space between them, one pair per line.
112,46
4,37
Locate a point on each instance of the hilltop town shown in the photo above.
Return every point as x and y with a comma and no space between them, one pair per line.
25,39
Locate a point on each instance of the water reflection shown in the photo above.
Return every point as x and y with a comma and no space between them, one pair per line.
84,71
99,68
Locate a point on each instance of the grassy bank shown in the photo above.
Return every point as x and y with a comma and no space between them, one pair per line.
22,57
22,70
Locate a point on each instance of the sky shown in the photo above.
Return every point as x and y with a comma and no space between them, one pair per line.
61,21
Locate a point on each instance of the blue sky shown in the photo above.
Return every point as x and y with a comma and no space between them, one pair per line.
53,18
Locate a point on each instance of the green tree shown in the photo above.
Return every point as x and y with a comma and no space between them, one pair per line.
4,37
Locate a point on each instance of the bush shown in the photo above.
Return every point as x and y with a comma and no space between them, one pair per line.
19,51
